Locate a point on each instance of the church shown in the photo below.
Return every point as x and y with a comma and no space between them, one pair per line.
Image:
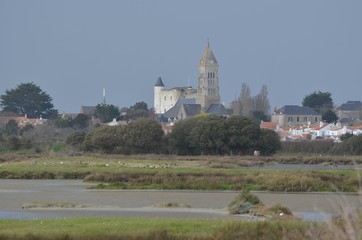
182,102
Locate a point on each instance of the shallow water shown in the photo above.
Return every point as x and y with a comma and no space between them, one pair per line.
138,203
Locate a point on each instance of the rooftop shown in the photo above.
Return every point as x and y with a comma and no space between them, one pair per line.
296,110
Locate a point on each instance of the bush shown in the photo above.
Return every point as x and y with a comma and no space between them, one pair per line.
13,142
76,139
277,209
355,144
243,203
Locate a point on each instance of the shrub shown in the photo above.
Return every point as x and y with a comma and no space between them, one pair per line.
355,144
244,202
13,142
277,209
76,139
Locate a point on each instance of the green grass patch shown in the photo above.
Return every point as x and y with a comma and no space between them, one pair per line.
139,172
264,180
108,227
167,229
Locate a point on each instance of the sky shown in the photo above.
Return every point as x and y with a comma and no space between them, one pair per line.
72,49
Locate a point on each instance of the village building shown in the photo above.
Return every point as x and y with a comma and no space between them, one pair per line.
293,115
183,102
350,113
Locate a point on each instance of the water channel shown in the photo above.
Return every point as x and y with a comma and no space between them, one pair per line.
139,203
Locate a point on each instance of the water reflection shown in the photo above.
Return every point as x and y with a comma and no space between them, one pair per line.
314,216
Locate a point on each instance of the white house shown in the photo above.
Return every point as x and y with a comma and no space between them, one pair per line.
322,130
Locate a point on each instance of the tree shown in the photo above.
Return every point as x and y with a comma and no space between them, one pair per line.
179,139
261,101
355,144
105,138
269,142
241,134
11,128
138,110
75,139
319,101
329,116
106,112
252,107
29,99
139,106
81,121
143,136
209,135
246,101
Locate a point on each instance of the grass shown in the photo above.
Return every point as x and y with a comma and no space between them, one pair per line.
109,226
264,180
170,172
176,229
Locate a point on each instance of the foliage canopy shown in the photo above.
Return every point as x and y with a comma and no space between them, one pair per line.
106,112
319,101
29,99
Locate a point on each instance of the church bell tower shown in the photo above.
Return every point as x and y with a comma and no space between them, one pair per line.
208,85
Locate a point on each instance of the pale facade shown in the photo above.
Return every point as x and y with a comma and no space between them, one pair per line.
206,93
291,115
165,99
208,80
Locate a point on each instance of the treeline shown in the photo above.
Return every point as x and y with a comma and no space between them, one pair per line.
349,146
204,134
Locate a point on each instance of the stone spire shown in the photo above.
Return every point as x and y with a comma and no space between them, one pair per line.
208,85
208,56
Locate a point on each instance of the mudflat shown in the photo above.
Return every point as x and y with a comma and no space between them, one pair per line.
140,203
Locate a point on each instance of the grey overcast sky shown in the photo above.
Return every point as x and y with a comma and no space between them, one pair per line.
73,49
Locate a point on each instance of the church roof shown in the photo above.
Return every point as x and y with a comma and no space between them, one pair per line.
159,82
208,56
351,106
173,112
217,109
192,109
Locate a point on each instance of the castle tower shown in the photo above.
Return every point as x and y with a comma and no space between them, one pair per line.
157,95
208,86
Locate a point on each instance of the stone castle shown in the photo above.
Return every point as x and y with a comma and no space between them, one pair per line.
182,102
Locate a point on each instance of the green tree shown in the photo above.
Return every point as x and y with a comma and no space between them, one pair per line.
81,121
250,138
269,142
106,112
138,110
179,138
29,99
243,135
355,144
209,135
76,139
329,116
105,138
62,122
319,101
143,136
139,106
13,142
11,128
